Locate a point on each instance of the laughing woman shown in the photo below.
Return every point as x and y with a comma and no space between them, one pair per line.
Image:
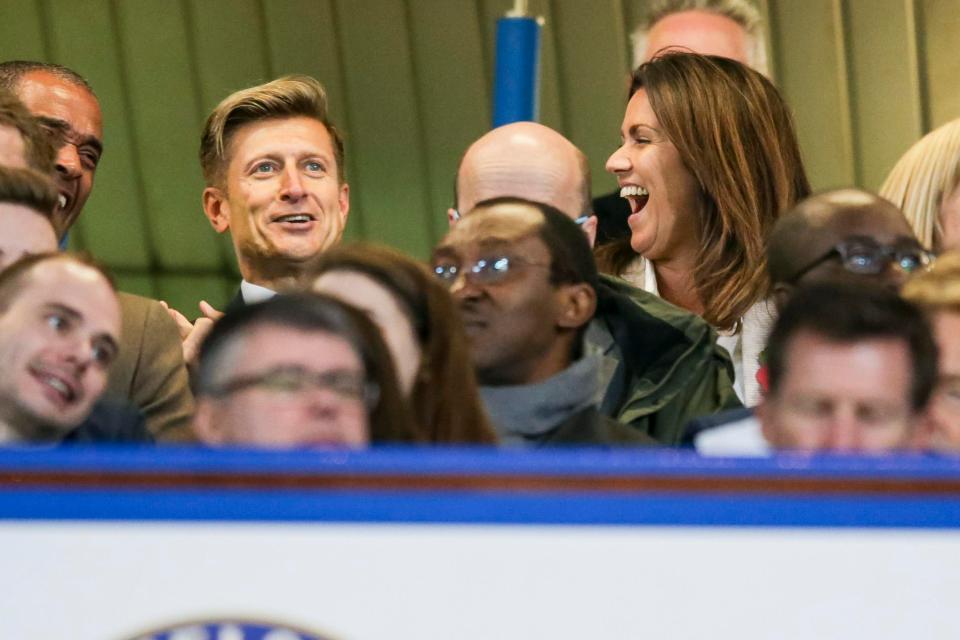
709,160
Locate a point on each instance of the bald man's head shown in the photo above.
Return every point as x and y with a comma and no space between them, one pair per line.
525,160
803,244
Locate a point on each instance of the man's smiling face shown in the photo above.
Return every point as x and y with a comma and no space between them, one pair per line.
72,114
282,200
58,337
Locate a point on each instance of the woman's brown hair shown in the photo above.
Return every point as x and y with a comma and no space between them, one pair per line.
444,398
735,134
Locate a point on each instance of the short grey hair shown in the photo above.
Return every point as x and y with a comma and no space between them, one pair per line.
742,12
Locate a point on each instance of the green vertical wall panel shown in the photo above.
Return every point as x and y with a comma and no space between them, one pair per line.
453,98
164,111
884,85
22,32
184,292
302,38
140,283
112,226
812,73
589,37
386,131
229,53
940,26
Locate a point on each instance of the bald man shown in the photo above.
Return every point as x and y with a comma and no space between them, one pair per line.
530,161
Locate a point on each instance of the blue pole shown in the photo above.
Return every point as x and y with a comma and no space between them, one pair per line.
516,84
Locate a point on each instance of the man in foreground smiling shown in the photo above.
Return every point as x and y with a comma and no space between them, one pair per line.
59,334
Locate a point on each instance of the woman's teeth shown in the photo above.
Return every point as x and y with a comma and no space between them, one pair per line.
633,191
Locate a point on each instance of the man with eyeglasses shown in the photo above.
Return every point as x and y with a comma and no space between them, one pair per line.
527,286
845,234
296,371
840,236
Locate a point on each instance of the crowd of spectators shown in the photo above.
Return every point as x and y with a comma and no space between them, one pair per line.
712,302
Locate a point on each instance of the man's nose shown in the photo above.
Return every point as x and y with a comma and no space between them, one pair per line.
464,287
618,161
844,432
292,184
68,162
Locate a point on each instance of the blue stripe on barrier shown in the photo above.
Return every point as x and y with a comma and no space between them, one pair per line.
471,461
461,507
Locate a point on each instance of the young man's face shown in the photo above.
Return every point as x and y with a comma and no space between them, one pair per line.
842,397
510,318
282,200
58,337
73,114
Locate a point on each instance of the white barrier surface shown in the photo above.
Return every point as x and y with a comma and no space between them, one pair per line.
114,581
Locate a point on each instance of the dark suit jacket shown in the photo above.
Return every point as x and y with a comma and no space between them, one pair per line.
236,303
149,370
111,422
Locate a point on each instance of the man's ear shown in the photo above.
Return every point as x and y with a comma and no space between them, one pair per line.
590,228
781,294
216,208
204,425
764,414
344,201
578,303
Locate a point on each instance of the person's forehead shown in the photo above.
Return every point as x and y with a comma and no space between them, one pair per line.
297,135
869,367
269,345
532,165
702,32
21,224
880,224
74,285
500,224
12,148
48,95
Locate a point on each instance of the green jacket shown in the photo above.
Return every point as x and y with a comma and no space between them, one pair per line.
669,368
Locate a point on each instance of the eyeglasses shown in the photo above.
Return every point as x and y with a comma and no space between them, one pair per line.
287,379
863,255
486,270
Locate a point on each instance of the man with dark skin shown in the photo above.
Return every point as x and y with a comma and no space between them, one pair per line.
525,280
845,236
149,369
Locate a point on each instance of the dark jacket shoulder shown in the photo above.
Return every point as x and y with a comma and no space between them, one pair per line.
675,370
590,427
113,422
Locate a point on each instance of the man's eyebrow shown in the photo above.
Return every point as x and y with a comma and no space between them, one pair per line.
63,129
72,313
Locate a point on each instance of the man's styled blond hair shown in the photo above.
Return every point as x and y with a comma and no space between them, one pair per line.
922,177
740,11
286,97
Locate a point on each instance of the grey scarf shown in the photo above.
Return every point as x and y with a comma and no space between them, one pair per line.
534,409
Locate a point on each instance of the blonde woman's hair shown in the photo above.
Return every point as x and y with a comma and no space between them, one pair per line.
938,288
924,175
286,97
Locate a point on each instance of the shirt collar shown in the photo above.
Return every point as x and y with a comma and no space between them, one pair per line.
254,293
